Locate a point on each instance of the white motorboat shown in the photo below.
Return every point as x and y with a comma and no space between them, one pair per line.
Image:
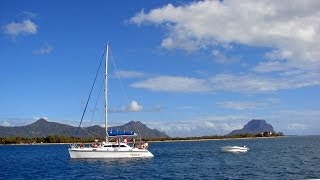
109,149
234,149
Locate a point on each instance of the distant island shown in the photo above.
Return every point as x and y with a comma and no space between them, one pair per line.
253,129
43,131
254,126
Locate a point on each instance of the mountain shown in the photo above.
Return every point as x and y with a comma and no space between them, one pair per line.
141,129
43,128
254,126
40,128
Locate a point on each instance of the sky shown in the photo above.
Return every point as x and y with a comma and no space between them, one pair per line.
187,68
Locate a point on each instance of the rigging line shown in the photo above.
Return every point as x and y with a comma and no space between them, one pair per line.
118,76
96,134
87,131
91,91
95,107
102,116
140,139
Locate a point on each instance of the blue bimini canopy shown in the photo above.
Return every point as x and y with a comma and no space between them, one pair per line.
113,133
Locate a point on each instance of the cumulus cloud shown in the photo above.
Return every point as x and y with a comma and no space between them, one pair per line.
291,29
133,107
25,27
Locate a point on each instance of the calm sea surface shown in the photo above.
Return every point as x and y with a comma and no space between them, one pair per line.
277,158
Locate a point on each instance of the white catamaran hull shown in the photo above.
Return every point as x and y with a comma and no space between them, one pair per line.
106,153
109,149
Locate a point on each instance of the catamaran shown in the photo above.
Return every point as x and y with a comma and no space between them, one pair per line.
108,149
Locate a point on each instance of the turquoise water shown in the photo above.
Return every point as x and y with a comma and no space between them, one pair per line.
277,158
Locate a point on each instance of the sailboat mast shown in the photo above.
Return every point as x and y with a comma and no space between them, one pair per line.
106,94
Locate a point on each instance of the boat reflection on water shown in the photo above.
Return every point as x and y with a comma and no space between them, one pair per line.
234,149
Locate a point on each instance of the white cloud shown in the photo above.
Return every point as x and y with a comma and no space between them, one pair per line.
21,28
300,114
209,124
290,122
5,123
222,119
17,121
128,74
262,84
201,126
242,105
250,83
173,84
270,66
45,49
221,58
133,107
290,28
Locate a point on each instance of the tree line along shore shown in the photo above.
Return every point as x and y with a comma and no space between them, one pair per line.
65,139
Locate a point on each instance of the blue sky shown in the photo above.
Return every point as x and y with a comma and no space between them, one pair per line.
187,68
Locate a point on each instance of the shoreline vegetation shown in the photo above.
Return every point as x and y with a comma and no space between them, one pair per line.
59,139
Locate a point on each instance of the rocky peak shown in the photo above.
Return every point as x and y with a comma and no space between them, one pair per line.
254,126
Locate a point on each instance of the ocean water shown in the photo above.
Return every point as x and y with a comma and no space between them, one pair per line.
274,158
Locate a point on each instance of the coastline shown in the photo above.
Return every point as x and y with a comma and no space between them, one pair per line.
221,139
157,141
